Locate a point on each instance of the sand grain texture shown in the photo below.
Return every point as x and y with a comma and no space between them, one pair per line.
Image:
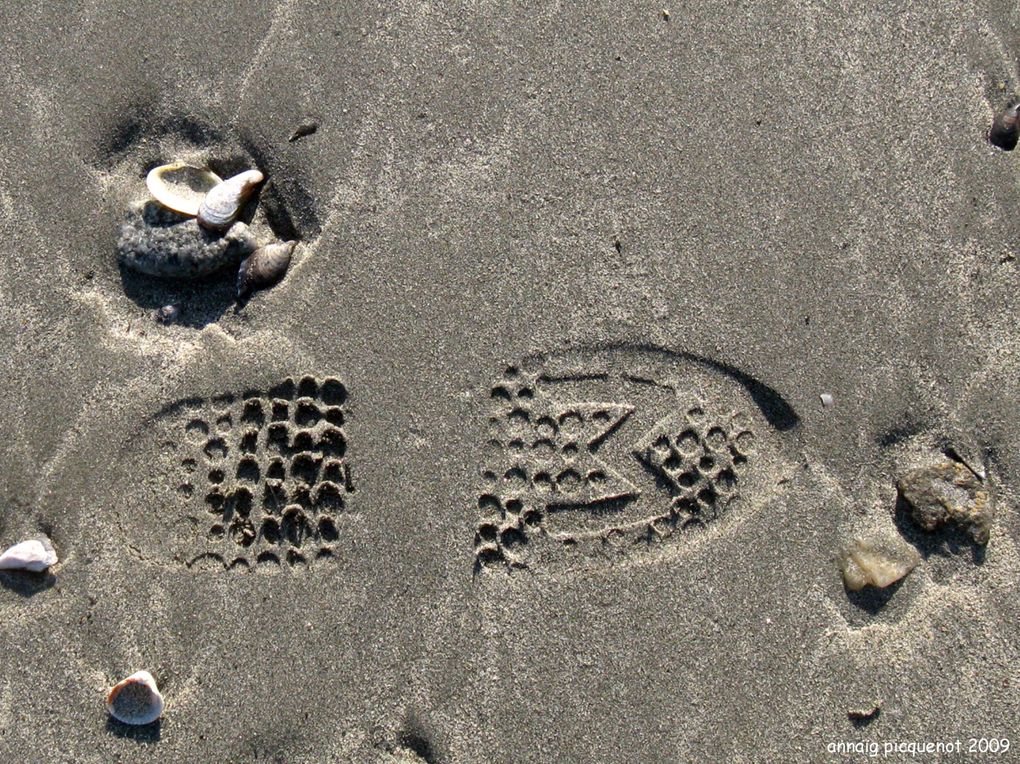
747,204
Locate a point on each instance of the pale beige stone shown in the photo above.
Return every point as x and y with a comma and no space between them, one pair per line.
876,560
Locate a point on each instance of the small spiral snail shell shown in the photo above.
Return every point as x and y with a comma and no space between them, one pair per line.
221,205
1005,128
168,314
264,267
135,700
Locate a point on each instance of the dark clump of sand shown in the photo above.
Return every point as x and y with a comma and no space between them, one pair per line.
560,259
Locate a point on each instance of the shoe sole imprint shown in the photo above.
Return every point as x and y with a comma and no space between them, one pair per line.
263,475
597,453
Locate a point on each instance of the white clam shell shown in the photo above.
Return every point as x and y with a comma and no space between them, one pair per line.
181,187
135,700
220,206
35,555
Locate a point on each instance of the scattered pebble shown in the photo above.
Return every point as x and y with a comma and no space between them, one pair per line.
665,14
305,128
862,716
948,492
827,400
34,555
877,560
135,700
168,314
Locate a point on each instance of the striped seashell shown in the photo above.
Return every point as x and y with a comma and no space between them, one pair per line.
264,267
222,204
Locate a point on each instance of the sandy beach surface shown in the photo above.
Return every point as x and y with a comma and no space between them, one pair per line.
525,459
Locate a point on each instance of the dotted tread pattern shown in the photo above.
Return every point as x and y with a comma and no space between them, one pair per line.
542,456
700,457
268,470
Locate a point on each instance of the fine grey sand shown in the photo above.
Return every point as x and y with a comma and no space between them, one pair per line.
599,214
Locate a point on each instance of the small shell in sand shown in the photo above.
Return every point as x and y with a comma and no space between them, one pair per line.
35,555
876,560
1005,128
181,187
168,314
264,267
135,700
222,204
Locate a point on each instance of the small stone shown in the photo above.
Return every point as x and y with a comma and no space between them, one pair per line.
827,400
863,716
35,555
948,492
168,314
876,560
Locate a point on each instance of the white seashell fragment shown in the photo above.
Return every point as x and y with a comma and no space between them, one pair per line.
181,187
35,555
135,700
876,560
221,205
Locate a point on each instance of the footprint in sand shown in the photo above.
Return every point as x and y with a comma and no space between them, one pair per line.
594,455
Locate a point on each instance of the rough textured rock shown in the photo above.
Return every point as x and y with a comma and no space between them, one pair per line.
159,242
948,492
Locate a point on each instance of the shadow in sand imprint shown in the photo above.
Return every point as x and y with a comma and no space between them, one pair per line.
948,541
872,600
202,301
773,406
146,733
412,743
26,583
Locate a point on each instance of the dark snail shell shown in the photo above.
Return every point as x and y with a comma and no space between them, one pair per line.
264,267
168,314
1005,128
305,128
